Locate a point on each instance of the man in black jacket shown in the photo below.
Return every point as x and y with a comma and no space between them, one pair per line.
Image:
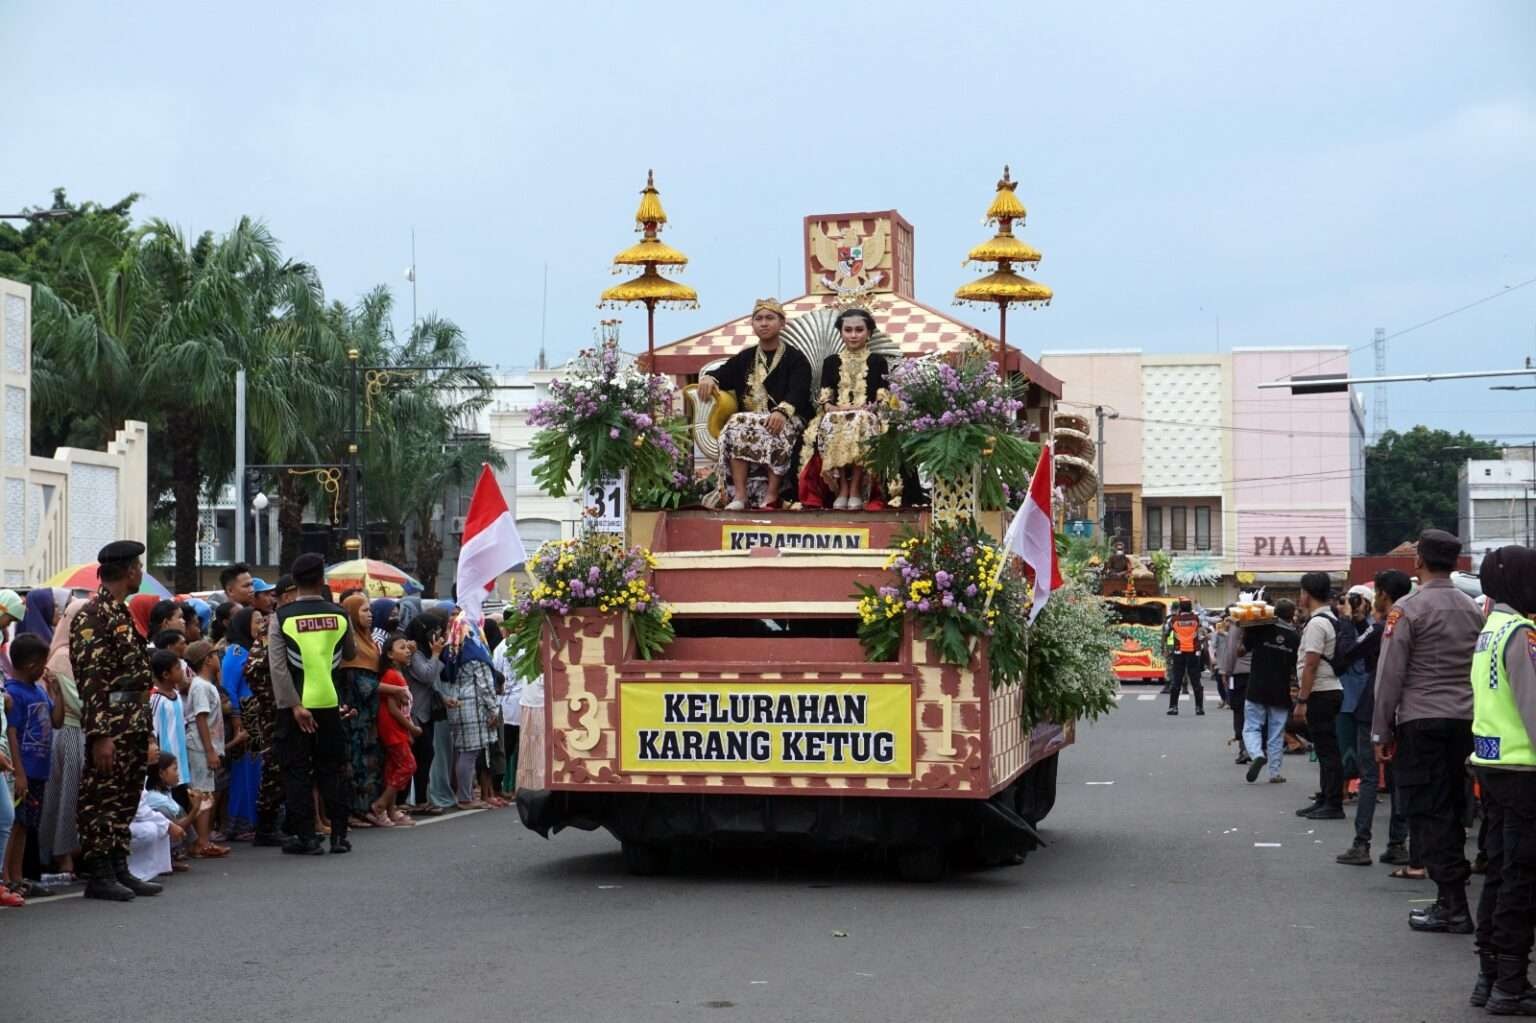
1271,650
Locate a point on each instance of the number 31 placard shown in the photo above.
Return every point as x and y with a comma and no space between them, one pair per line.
605,505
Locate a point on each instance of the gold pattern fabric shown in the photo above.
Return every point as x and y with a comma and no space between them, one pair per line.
746,437
841,437
757,399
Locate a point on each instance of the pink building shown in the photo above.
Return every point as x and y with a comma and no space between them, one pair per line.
1240,486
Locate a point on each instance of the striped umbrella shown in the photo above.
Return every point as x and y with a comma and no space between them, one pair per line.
83,577
375,578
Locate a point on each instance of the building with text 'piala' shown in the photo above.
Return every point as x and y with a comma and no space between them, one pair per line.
1241,487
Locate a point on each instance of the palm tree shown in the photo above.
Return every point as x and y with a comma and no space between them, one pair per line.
229,303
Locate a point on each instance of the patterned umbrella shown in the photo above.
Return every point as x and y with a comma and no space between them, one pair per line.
83,577
374,577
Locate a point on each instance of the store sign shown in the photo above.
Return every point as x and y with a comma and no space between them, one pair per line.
1292,540
781,728
735,537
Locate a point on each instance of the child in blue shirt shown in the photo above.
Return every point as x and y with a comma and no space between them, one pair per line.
30,722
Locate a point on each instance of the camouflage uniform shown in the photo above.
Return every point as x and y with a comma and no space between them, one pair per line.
111,664
259,711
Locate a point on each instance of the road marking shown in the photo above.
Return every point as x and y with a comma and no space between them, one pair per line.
1145,697
1098,783
422,822
1266,845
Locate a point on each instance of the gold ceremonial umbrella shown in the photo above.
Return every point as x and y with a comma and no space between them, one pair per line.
650,289
1003,287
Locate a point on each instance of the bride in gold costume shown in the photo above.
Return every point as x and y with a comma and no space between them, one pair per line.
852,384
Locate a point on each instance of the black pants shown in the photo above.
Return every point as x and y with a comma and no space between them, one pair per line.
310,760
1506,913
1186,666
1235,700
421,749
1322,714
1430,768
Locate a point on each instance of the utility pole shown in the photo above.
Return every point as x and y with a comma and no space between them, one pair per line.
1379,399
239,465
353,542
1102,513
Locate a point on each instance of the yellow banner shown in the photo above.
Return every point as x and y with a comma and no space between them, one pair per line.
768,728
739,537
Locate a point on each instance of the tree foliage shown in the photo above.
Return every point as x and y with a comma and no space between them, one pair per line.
1410,483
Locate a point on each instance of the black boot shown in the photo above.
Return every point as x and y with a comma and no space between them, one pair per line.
1447,916
128,881
340,845
1396,855
1487,973
1512,994
308,846
102,882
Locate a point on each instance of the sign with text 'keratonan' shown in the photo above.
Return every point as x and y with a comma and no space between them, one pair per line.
768,728
738,537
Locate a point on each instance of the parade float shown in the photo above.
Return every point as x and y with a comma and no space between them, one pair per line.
811,676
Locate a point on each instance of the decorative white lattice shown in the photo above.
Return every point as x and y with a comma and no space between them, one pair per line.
15,426
37,500
1181,434
92,510
15,518
15,334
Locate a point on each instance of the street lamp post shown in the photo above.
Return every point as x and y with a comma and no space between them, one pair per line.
258,508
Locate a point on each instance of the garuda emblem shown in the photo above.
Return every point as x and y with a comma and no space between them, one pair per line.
849,259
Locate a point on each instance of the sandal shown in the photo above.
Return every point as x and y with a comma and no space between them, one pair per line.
180,866
473,804
210,851
403,822
378,819
1410,874
430,811
363,821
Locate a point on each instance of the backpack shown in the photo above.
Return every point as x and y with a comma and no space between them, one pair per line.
1346,638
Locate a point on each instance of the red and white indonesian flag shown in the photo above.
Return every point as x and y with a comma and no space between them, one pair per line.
491,545
1031,535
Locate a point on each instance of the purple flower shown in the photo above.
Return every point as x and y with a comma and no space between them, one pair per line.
593,574
970,591
613,433
949,600
941,579
923,605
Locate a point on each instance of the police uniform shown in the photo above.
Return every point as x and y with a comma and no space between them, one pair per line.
111,663
1423,701
1186,631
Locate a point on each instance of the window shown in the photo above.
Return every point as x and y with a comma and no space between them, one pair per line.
1178,527
1117,518
1202,529
1154,529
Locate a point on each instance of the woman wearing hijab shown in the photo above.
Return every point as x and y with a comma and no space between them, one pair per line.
42,612
470,685
360,680
386,619
246,632
424,676
57,837
140,607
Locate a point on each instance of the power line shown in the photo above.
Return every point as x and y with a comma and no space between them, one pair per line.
1285,433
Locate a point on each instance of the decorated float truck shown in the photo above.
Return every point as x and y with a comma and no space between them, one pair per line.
762,721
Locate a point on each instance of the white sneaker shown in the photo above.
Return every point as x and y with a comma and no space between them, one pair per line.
840,503
736,506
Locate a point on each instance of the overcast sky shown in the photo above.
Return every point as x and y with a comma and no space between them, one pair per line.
1304,172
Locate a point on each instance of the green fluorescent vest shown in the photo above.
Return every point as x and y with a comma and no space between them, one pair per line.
1498,734
317,637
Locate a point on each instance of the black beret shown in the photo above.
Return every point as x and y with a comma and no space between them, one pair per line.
284,584
308,564
120,550
1438,545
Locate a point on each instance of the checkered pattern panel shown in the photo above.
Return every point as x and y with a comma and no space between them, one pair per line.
919,331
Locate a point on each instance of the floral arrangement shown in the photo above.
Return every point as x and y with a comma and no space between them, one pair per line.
948,580
951,581
614,418
950,420
593,570
1069,647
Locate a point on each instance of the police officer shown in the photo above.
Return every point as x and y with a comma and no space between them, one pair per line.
112,671
1188,642
1423,721
1503,723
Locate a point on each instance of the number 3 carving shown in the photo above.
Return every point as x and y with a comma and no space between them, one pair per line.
585,735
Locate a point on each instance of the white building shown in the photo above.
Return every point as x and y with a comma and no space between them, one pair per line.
1495,499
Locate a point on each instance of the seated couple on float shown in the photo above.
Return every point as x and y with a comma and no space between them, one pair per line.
773,379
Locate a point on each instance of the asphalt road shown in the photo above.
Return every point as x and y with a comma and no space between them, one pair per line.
1152,903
